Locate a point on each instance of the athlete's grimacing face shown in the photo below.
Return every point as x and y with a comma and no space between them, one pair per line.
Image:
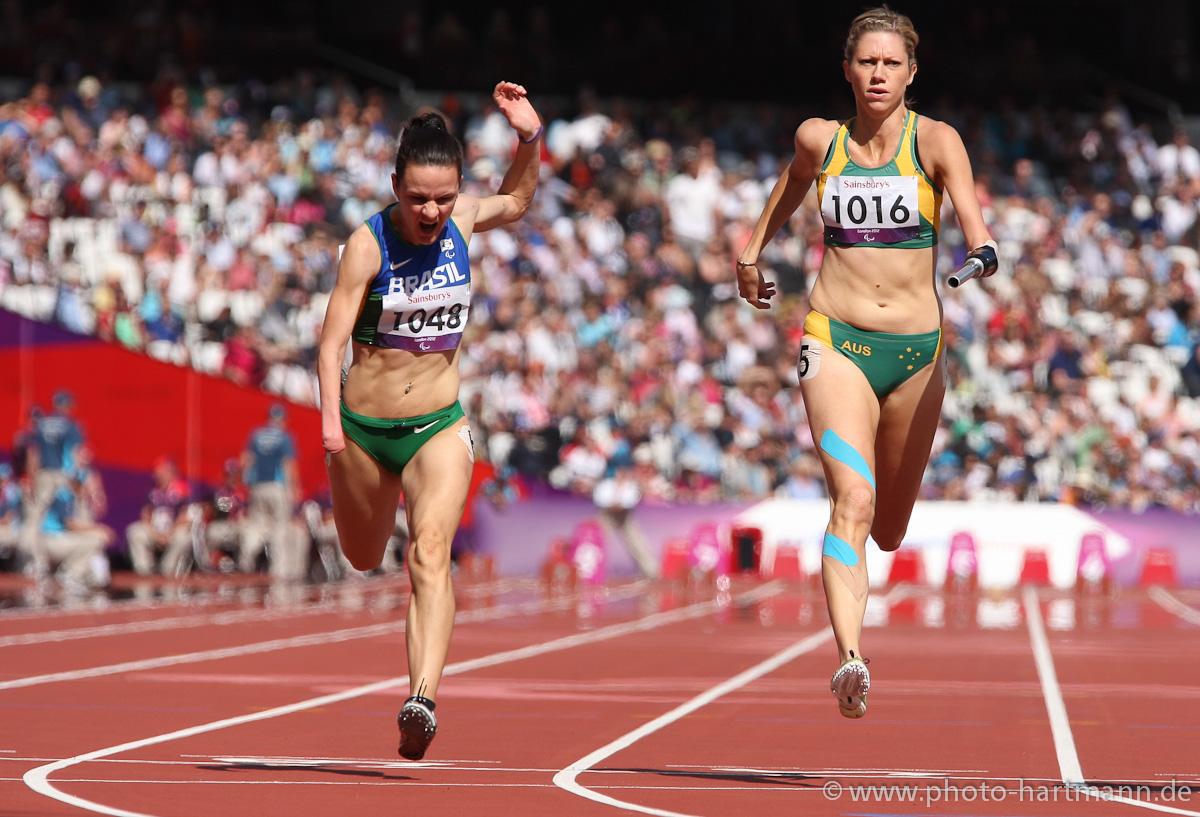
426,194
880,70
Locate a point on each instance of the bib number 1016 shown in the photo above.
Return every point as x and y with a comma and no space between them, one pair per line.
859,207
885,202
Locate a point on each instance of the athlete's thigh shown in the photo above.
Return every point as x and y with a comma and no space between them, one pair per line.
436,480
908,420
365,497
842,415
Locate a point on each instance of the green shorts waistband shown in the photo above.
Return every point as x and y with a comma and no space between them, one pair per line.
401,422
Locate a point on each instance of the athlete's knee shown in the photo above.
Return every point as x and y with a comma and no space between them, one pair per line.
855,506
429,551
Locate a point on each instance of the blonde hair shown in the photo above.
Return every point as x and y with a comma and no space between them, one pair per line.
882,18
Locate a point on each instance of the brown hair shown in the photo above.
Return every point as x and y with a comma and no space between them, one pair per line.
883,18
426,140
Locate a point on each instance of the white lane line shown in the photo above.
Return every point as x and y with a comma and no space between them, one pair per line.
38,778
124,606
310,640
1060,724
189,598
107,810
1056,708
1173,605
174,623
230,616
765,789
475,766
830,771
566,777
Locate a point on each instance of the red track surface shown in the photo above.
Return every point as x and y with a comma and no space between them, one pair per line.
957,704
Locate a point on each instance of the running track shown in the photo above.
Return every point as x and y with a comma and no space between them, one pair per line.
639,699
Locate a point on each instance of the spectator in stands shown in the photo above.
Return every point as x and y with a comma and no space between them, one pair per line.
1191,373
804,480
691,198
1064,366
11,508
50,458
72,544
164,526
1178,160
244,362
270,466
225,516
616,497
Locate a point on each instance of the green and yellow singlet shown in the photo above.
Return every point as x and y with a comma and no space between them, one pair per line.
896,205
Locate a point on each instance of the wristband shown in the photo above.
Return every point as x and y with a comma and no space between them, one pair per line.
747,263
987,256
533,138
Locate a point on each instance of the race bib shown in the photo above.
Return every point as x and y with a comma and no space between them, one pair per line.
865,209
426,311
810,360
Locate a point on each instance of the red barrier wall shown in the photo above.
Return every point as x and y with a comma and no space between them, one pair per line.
134,409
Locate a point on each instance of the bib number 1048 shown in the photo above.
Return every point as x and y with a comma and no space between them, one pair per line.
419,320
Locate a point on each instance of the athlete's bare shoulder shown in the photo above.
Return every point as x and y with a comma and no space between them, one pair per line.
936,134
466,212
813,138
361,257
938,145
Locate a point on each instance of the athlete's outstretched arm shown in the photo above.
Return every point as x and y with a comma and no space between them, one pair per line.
358,265
812,137
952,168
516,191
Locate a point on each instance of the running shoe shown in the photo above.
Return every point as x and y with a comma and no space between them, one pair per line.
849,685
418,725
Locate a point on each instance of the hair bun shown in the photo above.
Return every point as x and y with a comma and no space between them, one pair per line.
431,120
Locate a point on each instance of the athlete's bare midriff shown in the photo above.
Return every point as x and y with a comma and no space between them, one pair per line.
879,289
394,383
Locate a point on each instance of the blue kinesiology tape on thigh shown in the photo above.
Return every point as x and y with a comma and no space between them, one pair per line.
839,549
843,452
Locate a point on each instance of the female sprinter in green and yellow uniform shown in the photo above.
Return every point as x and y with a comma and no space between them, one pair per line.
870,367
403,294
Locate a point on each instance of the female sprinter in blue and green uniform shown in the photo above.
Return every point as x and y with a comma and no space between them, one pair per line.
403,294
870,367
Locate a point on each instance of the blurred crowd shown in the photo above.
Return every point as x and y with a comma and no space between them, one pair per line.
202,224
53,509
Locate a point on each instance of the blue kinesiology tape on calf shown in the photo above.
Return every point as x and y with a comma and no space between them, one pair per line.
846,565
843,452
838,548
